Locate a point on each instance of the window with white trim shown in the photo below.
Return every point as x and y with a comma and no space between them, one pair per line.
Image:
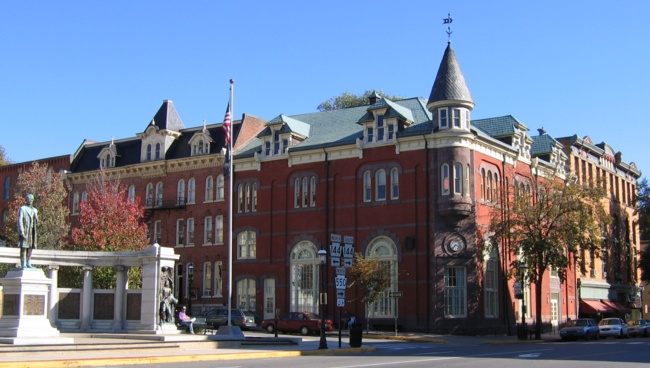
158,153
180,232
148,152
384,250
190,231
7,188
180,192
207,279
246,294
191,191
240,198
444,179
491,287
304,191
456,118
394,183
218,229
305,194
312,191
209,187
442,117
458,178
75,203
455,292
157,231
159,194
254,199
149,195
207,230
131,194
246,245
220,187
380,185
218,279
367,187
247,199
304,277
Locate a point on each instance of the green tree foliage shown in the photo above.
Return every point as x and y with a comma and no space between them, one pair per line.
545,226
347,99
373,278
49,199
109,221
643,209
4,160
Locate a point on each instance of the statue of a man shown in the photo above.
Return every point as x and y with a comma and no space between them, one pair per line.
27,220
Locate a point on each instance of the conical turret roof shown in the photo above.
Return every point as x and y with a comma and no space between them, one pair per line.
450,83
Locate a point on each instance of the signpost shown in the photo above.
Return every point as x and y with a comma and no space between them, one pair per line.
344,253
396,295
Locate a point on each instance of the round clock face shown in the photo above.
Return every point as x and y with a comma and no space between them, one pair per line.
455,245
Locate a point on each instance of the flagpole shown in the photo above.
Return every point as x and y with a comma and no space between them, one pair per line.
230,190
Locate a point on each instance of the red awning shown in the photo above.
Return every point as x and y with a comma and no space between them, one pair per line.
616,306
594,307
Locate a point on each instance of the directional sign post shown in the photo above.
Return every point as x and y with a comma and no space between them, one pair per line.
396,295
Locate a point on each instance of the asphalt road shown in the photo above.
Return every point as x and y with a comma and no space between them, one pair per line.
405,354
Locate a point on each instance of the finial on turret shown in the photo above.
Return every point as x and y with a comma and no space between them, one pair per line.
448,20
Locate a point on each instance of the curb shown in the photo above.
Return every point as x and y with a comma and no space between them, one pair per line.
100,362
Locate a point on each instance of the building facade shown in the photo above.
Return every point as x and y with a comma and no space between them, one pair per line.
410,182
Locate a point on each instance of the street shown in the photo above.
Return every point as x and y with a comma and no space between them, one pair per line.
403,354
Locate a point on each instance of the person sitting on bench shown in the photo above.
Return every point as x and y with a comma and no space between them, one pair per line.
186,320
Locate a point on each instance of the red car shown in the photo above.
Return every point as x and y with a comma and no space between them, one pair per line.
302,322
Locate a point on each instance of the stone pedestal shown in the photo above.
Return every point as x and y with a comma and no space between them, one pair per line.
24,309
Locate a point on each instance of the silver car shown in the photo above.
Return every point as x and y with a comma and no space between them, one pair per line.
639,327
615,327
582,328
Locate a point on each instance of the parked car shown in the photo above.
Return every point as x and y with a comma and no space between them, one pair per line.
639,327
582,328
302,322
613,327
219,317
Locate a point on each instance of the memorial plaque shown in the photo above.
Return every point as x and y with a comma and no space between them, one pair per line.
69,305
34,305
103,306
133,307
10,305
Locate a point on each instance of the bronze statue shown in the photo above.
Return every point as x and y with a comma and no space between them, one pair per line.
27,221
167,300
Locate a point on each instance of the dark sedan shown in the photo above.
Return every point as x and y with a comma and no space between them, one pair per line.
302,322
582,328
219,317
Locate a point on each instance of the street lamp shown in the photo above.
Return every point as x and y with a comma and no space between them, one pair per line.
522,270
322,255
190,279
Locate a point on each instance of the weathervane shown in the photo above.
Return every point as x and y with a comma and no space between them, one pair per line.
448,20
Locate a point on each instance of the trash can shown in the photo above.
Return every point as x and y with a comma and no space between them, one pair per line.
355,335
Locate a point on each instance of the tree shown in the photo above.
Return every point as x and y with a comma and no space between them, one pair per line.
4,160
49,198
347,99
373,277
545,226
109,220
643,209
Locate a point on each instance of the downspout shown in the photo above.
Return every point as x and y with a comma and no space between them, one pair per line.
506,246
327,219
428,231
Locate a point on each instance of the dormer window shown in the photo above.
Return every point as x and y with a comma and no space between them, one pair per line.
157,151
148,152
380,130
200,143
442,118
107,157
282,133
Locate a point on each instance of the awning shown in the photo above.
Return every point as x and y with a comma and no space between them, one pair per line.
618,307
594,307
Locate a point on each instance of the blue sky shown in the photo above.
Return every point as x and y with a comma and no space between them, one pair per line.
75,70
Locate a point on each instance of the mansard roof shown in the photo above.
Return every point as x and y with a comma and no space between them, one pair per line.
501,126
167,118
339,127
450,83
543,144
288,125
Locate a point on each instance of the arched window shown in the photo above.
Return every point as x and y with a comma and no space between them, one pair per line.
220,188
495,189
491,285
304,277
380,185
75,203
148,155
247,206
489,186
305,193
467,172
246,294
7,189
159,194
149,195
483,184
157,151
394,183
209,187
384,250
312,191
254,201
296,193
246,245
367,187
200,147
180,192
444,182
191,190
131,194
458,178
240,198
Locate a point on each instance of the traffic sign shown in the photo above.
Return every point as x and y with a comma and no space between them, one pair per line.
335,249
340,271
348,239
340,294
348,251
341,282
347,262
336,262
335,238
340,302
395,294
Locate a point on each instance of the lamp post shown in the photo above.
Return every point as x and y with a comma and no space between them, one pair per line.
190,280
322,255
522,270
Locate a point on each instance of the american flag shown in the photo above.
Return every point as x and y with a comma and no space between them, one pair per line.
227,121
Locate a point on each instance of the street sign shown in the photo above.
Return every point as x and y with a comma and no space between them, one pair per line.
335,238
348,251
340,294
395,294
347,262
341,282
348,239
336,262
340,271
340,302
335,249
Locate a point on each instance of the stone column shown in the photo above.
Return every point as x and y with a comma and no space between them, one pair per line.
53,312
87,300
121,284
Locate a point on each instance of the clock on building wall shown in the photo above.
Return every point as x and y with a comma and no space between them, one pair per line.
455,244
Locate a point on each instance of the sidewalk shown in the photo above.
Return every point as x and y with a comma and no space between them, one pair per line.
110,349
